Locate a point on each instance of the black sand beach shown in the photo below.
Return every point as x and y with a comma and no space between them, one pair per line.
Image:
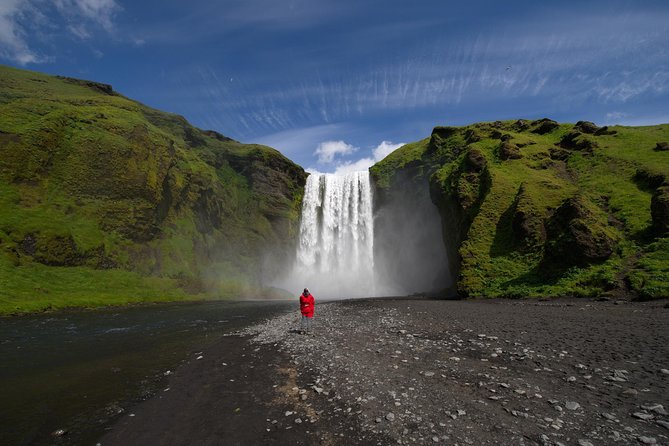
414,371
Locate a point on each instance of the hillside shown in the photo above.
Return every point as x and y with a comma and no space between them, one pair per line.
538,208
104,200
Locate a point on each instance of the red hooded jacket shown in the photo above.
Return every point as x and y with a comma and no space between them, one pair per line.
307,305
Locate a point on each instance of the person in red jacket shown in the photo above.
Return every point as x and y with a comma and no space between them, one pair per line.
307,305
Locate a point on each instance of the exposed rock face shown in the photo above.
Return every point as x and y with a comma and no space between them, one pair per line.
659,209
577,234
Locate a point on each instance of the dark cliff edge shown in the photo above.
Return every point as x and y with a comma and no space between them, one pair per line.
539,208
105,200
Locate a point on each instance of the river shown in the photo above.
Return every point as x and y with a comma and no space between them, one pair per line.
79,370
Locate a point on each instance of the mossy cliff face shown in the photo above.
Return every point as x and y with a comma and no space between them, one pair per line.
539,208
94,186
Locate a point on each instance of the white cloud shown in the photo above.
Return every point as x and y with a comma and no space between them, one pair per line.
354,166
384,149
328,150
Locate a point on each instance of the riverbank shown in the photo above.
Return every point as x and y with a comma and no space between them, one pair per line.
423,372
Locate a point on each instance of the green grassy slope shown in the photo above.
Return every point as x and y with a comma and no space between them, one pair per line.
104,200
543,209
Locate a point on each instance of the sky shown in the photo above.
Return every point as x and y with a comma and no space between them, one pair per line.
336,85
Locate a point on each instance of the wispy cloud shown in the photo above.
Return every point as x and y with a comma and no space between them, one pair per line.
21,19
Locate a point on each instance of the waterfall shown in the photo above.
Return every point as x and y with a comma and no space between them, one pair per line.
335,252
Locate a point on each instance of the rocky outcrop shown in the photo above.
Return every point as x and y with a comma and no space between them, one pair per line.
578,234
543,126
576,140
508,150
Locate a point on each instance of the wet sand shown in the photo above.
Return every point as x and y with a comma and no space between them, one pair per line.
412,371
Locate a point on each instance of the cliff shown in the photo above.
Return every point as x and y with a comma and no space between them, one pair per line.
538,208
105,200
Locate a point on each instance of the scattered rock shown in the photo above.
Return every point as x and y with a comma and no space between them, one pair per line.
646,440
59,433
390,417
664,424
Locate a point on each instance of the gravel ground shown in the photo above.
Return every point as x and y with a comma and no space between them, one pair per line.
412,371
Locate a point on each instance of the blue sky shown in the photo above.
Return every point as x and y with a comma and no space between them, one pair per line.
338,84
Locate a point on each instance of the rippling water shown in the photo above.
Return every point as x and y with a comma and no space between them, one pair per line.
77,370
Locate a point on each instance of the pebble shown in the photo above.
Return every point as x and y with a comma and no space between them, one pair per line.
630,392
390,416
646,440
572,405
428,374
571,379
59,432
664,371
288,413
664,424
584,443
199,357
298,420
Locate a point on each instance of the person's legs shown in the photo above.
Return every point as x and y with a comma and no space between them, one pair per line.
308,324
304,322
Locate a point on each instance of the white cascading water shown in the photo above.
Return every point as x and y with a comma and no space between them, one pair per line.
335,252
